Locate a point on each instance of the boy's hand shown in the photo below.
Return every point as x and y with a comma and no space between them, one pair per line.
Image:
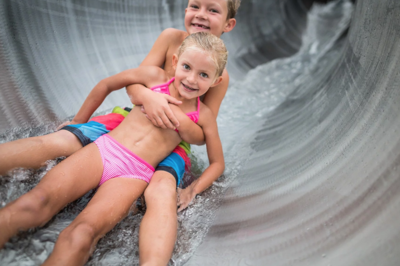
66,123
157,110
185,197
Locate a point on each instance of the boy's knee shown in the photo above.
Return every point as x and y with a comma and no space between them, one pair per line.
79,238
62,141
162,190
152,261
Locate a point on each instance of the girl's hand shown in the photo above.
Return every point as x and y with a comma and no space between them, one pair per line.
185,197
157,110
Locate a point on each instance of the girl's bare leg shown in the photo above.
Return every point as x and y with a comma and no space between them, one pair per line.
158,229
67,181
110,205
34,152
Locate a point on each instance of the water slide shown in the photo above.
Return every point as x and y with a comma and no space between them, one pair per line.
310,126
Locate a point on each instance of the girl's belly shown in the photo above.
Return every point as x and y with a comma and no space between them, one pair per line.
139,135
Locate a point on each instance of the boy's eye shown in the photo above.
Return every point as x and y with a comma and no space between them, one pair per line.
194,6
185,66
214,11
203,75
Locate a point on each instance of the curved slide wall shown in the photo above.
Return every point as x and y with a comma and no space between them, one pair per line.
310,126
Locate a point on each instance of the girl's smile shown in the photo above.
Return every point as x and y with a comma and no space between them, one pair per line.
189,89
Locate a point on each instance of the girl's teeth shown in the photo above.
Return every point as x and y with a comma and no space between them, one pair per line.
187,87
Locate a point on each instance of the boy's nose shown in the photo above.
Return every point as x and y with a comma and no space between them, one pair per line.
201,14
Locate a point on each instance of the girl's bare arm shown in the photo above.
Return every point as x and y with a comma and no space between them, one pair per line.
189,133
215,157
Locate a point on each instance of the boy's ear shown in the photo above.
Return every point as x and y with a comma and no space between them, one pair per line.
230,25
174,61
217,81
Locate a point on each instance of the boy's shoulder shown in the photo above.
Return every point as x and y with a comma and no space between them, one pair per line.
205,114
174,32
173,35
225,77
154,74
153,70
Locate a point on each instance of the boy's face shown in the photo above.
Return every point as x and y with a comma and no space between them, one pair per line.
209,16
195,73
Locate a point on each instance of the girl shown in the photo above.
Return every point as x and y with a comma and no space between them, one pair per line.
121,163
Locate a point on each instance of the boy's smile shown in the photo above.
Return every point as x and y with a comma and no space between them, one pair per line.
207,15
200,26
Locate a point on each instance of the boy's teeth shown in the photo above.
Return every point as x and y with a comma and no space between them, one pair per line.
201,26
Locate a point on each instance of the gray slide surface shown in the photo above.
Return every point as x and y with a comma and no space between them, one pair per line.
310,126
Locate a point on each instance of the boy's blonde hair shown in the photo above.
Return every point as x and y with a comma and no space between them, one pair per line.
210,43
233,6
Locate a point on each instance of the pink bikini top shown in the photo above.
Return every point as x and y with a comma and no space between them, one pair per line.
164,88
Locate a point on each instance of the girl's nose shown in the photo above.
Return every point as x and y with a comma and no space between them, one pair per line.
191,78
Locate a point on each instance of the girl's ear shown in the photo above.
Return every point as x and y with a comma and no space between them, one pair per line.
174,61
216,82
230,24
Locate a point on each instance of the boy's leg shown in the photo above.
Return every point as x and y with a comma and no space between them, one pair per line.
110,205
158,229
66,182
35,151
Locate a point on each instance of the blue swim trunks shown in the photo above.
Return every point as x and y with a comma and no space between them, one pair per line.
87,132
173,164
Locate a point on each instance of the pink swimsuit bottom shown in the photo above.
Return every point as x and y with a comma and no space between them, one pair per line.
118,161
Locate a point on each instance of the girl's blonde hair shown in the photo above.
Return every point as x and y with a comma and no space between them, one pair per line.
210,43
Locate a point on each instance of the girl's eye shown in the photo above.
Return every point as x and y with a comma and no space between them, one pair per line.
186,67
203,75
